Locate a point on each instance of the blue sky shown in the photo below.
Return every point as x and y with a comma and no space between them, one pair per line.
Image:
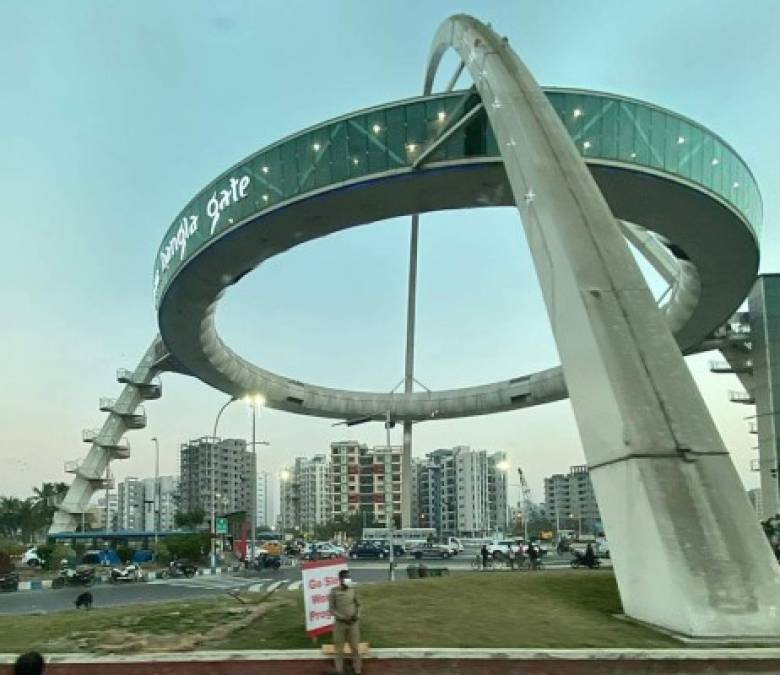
114,114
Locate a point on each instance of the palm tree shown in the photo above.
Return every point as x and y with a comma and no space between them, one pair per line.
43,503
10,508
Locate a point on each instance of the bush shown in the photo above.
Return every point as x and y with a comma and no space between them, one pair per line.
125,554
52,555
193,547
162,554
12,548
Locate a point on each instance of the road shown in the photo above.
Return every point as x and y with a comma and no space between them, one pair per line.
177,590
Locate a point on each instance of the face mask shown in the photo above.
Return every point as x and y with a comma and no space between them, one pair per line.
347,582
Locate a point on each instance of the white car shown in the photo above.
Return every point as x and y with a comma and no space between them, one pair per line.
31,559
323,550
501,548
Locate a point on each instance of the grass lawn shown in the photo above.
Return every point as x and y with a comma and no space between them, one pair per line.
563,609
546,610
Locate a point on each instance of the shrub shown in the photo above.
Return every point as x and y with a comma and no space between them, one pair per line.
11,548
162,554
125,554
193,546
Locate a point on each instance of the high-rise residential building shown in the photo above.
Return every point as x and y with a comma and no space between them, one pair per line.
359,480
135,500
130,505
167,495
569,500
754,496
462,492
235,475
305,493
264,515
106,519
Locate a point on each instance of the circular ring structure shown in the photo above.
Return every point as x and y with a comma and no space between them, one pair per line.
658,171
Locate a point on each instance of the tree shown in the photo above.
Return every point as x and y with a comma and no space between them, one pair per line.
44,501
189,520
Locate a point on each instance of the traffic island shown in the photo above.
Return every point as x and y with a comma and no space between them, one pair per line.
519,613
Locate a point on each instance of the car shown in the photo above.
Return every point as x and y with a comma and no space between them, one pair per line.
31,558
9,581
323,551
431,550
398,549
500,548
368,549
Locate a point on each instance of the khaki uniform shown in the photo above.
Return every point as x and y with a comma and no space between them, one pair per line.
344,606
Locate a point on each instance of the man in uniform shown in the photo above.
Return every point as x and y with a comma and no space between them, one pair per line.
344,606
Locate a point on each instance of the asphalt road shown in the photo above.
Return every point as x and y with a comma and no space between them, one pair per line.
170,590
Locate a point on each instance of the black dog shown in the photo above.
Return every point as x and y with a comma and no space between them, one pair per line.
84,600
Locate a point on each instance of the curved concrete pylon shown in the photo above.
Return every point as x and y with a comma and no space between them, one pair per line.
688,552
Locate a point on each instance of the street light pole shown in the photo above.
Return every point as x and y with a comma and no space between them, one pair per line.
283,477
214,484
254,402
156,507
254,477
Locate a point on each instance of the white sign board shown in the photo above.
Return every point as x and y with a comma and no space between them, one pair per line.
319,578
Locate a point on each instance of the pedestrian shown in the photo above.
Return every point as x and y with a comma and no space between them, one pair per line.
484,553
590,556
30,663
345,607
533,555
511,556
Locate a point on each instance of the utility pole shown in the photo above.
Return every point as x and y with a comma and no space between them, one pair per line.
108,493
389,515
156,503
254,478
525,491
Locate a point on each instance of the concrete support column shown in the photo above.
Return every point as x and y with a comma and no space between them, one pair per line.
687,550
411,310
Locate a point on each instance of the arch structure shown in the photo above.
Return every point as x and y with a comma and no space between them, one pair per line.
586,171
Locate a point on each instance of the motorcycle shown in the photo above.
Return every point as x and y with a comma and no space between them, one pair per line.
181,568
579,561
267,562
79,576
129,573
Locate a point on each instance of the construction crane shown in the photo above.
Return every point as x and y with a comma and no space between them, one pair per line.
525,493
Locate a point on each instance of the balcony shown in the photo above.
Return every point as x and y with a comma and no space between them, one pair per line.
726,367
119,449
133,419
741,397
75,467
148,390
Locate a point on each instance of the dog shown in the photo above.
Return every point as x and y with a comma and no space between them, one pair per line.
84,600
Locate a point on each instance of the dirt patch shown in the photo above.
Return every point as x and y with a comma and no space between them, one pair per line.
177,631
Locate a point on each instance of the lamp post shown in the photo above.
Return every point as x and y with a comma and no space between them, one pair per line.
254,402
214,484
579,524
389,511
156,503
284,476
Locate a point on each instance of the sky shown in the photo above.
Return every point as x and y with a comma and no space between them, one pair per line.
114,114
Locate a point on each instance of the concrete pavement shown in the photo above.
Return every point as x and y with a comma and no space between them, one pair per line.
424,662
